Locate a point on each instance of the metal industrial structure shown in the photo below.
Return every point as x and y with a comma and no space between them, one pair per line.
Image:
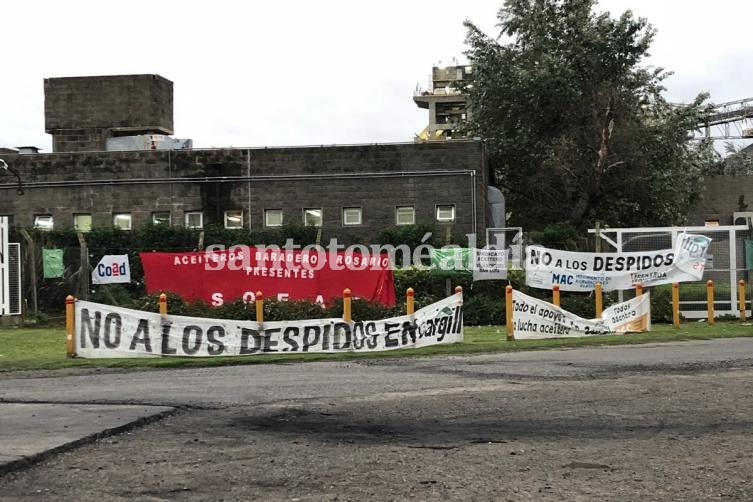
731,120
447,105
448,110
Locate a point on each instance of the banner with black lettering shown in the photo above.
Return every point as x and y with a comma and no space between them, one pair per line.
112,268
490,264
534,318
573,271
106,331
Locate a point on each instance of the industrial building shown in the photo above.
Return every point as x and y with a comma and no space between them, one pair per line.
114,162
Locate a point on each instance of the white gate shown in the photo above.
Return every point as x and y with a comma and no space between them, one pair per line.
725,263
10,272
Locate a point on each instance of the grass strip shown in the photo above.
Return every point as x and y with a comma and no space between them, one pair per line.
44,348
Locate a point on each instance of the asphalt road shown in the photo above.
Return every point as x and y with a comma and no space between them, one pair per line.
658,422
264,383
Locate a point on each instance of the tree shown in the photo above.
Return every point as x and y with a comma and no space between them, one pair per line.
739,161
577,131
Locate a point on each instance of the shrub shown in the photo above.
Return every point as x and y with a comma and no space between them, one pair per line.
484,300
112,294
483,310
661,304
409,235
580,304
275,310
363,310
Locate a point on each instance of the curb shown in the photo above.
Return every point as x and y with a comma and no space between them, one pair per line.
30,460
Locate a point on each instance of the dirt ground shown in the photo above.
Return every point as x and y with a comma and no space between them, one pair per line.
675,435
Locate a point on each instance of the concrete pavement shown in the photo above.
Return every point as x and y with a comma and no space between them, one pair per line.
42,415
30,431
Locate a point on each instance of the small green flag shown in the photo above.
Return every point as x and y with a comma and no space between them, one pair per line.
448,261
749,254
52,263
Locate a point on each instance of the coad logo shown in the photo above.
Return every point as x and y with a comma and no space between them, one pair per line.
112,270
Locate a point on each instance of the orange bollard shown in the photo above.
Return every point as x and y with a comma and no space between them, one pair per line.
676,304
70,316
508,312
259,307
347,316
710,301
599,299
163,304
410,301
638,289
556,295
741,298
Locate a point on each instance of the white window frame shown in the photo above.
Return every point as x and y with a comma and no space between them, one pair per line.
188,214
444,219
39,220
239,213
346,223
155,213
116,216
321,216
75,222
268,213
397,215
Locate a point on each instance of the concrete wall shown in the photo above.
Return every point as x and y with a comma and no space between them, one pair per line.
722,196
376,178
81,112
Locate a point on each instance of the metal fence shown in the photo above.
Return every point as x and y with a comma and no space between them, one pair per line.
725,262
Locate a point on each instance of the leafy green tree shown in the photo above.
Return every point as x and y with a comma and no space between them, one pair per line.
739,161
577,130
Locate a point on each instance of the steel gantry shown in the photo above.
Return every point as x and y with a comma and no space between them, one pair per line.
730,120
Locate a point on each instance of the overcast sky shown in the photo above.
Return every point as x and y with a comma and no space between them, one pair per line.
302,72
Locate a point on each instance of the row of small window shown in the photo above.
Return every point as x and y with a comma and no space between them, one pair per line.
351,216
83,221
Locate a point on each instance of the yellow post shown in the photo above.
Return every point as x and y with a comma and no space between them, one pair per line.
741,298
676,304
347,317
599,300
163,304
556,295
508,312
70,345
259,307
638,289
710,301
410,301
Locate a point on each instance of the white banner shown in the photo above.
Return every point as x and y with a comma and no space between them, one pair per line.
105,331
112,268
571,271
534,318
489,264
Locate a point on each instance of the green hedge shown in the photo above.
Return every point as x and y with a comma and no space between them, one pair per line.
484,300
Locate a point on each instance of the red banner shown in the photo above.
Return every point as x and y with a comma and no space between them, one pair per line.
223,276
